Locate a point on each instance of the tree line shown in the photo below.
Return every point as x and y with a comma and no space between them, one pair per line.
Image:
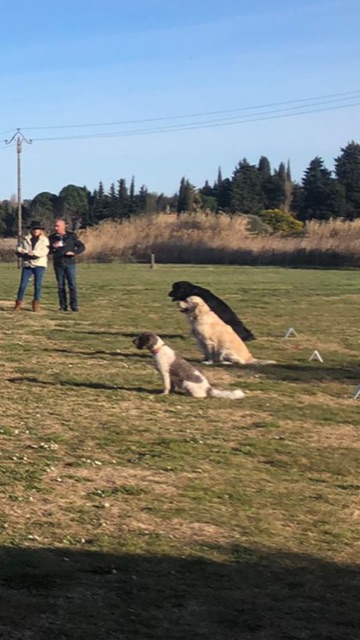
252,189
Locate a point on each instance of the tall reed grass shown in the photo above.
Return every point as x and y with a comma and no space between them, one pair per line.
215,239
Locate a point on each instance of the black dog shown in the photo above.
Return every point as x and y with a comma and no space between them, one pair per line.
183,289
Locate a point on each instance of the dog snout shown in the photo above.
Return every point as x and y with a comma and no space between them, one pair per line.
182,306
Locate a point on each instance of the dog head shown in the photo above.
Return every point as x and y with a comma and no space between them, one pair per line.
146,340
193,306
181,290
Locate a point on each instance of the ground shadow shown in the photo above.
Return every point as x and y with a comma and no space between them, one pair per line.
90,354
74,383
63,594
132,334
315,371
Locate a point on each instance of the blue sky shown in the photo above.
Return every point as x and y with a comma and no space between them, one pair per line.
68,64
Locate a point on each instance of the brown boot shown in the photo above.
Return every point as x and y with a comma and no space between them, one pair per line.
18,305
35,305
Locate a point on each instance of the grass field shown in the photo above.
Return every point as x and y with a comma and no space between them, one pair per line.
129,515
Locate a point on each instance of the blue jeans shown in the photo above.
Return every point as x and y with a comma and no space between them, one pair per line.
26,274
66,274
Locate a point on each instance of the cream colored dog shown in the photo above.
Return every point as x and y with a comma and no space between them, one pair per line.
217,340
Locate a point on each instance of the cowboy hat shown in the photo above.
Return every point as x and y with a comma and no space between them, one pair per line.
36,225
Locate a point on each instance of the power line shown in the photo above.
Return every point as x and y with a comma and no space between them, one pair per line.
346,95
192,126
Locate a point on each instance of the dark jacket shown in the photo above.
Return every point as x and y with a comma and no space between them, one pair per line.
70,243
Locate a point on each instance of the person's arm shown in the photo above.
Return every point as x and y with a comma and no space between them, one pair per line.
41,249
77,246
22,249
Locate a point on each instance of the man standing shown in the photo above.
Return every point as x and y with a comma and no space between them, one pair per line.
64,246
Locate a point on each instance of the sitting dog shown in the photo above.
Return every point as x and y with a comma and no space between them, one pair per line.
183,289
217,341
177,372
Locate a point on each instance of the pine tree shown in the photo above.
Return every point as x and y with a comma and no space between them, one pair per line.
99,205
347,171
322,197
264,168
132,198
247,195
181,203
123,199
113,208
207,190
224,195
142,199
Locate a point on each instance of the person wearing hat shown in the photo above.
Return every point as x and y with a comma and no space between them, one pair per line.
33,250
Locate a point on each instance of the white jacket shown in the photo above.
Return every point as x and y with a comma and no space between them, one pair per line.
40,250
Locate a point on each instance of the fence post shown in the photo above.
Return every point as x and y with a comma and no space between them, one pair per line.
152,260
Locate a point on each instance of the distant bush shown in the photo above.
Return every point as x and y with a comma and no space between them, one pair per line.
280,221
256,225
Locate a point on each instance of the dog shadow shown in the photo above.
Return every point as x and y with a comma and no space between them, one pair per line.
130,334
316,372
74,383
90,354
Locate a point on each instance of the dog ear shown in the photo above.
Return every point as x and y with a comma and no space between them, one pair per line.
141,341
136,342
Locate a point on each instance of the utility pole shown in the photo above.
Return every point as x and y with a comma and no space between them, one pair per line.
19,138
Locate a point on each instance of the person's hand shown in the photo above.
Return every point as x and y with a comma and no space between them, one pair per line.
57,244
69,253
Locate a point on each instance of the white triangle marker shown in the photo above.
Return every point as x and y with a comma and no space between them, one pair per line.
357,392
290,332
316,355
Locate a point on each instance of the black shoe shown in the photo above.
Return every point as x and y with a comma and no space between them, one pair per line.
74,309
62,309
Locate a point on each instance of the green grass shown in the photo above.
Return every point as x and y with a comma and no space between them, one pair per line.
130,515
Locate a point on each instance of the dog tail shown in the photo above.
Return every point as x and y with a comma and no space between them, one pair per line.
231,395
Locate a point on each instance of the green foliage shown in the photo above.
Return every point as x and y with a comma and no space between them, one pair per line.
255,224
347,169
322,197
188,198
247,196
208,202
250,190
44,206
73,203
8,218
280,221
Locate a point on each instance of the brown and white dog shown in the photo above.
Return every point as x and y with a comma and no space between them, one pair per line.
177,372
216,340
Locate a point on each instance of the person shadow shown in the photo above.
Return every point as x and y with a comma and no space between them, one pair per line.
74,594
